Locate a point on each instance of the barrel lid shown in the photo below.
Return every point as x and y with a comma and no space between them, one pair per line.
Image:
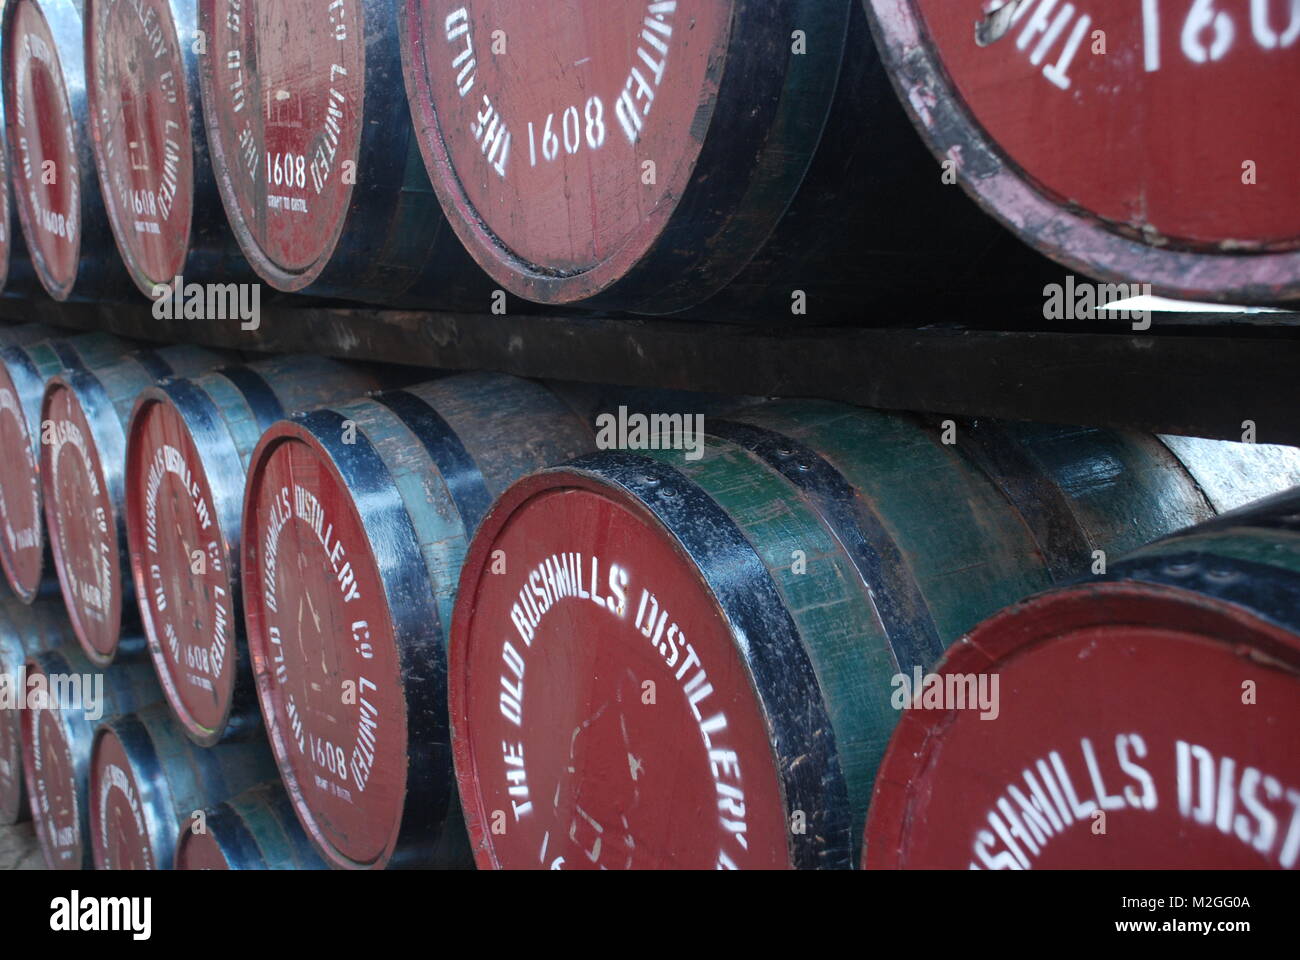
180,553
79,508
127,825
139,110
52,776
22,538
537,121
283,85
322,643
199,851
616,701
1202,200
40,129
1170,712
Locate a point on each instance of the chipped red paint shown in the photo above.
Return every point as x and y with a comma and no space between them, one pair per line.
140,122
79,516
170,507
1127,165
282,94
39,126
118,828
320,640
537,153
1107,681
592,775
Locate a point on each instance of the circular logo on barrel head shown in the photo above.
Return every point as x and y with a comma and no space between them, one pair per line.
1173,118
52,777
46,176
571,128
181,567
283,87
601,713
140,113
83,527
22,545
119,828
1131,732
321,642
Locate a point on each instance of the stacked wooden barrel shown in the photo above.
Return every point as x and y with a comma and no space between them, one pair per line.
313,151
640,156
188,447
151,147
356,520
57,739
1100,159
147,778
718,629
256,830
47,124
24,372
1145,719
24,630
85,412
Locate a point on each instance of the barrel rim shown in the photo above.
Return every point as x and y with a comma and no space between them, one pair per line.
613,475
89,395
1077,240
1017,631
392,556
193,407
117,221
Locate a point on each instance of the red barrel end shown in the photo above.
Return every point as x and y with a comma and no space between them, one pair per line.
601,714
1122,740
335,710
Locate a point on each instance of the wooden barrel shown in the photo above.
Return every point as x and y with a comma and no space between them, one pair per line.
151,149
256,830
356,520
24,631
84,416
638,156
312,145
716,629
57,741
46,118
1102,157
188,447
1146,719
146,779
24,372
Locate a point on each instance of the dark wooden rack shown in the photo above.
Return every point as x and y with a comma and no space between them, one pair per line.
1193,374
